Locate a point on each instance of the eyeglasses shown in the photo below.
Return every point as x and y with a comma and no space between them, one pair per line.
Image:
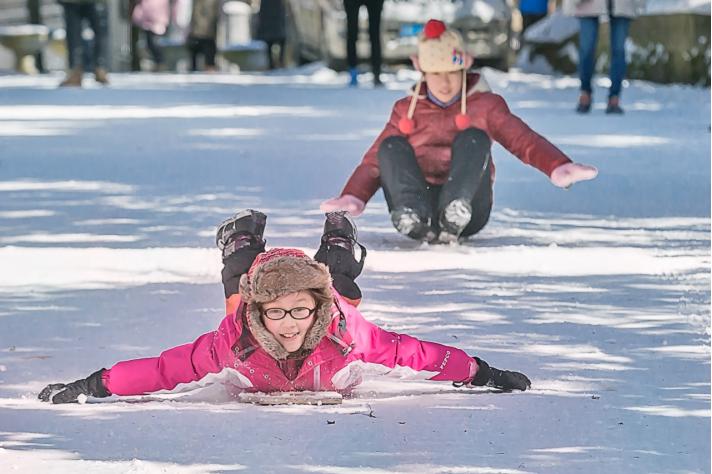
275,314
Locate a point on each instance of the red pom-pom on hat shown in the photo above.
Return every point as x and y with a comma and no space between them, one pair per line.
406,125
462,121
434,28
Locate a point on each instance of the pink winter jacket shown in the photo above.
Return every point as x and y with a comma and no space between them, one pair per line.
336,363
151,15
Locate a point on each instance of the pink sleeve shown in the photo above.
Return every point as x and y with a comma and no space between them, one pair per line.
210,353
376,345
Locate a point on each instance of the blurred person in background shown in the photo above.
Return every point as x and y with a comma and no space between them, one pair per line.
532,11
203,33
374,8
272,29
95,12
152,17
620,13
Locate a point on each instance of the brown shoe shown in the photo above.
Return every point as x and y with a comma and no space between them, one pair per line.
614,105
584,103
101,76
73,79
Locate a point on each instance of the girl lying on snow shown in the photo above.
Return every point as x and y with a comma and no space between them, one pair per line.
291,329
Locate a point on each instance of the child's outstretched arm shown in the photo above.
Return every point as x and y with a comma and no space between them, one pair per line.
210,353
435,361
531,148
366,178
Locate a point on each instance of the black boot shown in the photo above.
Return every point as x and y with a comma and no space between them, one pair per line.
240,239
337,251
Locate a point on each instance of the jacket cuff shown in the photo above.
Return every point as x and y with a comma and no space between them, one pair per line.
105,381
556,163
483,375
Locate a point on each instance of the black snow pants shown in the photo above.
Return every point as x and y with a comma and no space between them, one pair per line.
405,187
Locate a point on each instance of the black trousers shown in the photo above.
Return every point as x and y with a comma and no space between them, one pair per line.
404,185
374,8
153,47
204,46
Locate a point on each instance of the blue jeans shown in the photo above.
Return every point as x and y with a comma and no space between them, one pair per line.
588,37
97,15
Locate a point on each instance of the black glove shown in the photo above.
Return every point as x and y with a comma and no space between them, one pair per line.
504,379
68,393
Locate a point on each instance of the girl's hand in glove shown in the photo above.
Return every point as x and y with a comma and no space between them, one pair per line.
503,379
68,393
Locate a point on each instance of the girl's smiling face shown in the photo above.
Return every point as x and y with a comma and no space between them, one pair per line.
288,331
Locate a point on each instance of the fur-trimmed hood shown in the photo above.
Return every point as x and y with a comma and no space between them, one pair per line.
279,272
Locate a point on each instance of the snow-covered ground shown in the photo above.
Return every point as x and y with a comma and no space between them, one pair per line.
601,294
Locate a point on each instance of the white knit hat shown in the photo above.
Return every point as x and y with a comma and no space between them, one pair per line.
440,49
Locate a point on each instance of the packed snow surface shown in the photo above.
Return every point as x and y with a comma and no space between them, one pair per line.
600,293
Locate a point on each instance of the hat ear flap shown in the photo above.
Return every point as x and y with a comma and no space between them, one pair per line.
244,287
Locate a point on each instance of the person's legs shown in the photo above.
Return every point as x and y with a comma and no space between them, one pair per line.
210,48
154,49
193,46
352,7
281,44
469,170
619,32
481,205
73,26
405,188
270,60
588,37
375,7
98,16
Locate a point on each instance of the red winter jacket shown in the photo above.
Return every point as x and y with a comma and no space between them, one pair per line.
435,131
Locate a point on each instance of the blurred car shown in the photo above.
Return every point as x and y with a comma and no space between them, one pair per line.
317,29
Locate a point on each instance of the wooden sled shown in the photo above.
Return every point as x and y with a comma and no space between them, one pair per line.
291,398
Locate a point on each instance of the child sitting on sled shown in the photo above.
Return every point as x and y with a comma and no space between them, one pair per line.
291,328
433,158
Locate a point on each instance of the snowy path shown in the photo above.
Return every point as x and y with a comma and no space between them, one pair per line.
601,294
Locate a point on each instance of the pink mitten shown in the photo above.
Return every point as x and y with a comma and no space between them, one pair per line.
567,174
347,202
